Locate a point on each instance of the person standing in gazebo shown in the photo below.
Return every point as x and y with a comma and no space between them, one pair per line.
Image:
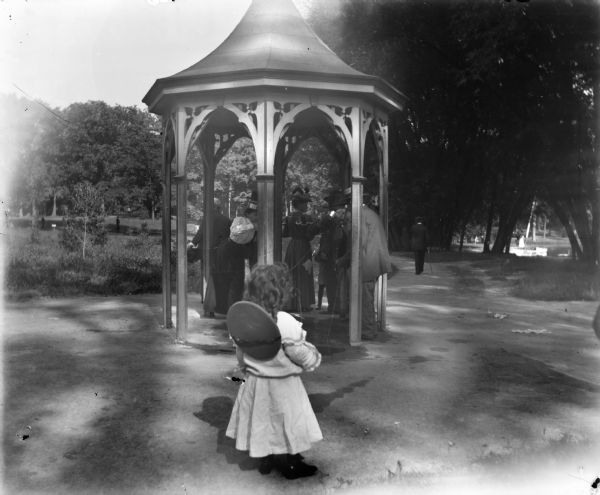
251,213
301,227
374,261
220,232
230,263
331,233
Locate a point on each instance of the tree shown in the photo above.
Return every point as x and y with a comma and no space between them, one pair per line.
85,217
493,90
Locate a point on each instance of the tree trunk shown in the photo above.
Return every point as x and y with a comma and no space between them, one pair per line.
490,219
462,238
84,235
500,240
530,220
507,224
595,255
562,215
54,205
582,229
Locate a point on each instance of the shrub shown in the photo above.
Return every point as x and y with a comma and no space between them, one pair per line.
69,238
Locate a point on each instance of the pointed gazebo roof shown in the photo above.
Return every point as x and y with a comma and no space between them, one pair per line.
271,46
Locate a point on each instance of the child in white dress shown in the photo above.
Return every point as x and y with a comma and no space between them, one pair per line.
272,417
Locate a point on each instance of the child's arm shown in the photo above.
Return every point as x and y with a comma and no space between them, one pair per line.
304,354
300,352
241,367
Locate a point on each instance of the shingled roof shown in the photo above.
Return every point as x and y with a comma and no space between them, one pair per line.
271,42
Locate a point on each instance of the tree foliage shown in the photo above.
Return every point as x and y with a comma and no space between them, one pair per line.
502,108
114,148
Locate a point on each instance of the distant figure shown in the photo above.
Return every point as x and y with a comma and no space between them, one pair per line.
301,227
43,223
419,241
118,224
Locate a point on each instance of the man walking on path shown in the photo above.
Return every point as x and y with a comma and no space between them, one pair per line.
419,240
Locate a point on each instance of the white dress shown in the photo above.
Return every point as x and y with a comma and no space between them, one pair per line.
272,415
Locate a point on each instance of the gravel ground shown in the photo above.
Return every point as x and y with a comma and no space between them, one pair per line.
468,391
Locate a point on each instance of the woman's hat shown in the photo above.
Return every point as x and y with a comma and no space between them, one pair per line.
300,195
241,230
253,330
335,198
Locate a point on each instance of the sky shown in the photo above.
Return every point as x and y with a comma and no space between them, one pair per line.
65,51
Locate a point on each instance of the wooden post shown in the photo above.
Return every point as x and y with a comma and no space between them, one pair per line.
181,229
207,146
166,229
383,214
356,161
265,185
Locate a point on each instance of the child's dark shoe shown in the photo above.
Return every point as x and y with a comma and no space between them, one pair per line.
266,465
291,467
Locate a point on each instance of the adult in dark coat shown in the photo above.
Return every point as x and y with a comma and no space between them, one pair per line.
216,290
230,262
419,241
301,227
251,213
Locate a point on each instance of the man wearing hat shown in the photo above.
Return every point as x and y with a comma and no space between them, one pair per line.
419,241
231,256
374,260
301,227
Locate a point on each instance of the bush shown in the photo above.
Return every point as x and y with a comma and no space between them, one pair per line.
69,238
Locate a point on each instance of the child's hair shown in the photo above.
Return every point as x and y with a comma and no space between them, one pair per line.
270,286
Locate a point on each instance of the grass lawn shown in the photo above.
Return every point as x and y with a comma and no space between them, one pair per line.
533,278
132,264
124,265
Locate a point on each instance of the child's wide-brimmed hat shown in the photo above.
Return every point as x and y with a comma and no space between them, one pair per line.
253,330
241,230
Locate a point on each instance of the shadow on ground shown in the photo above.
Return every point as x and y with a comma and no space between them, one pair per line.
63,385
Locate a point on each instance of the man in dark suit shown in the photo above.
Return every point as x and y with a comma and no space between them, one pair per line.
419,241
220,232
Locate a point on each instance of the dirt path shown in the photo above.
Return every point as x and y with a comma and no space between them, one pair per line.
455,396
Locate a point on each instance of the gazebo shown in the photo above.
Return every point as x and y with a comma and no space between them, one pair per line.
273,81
